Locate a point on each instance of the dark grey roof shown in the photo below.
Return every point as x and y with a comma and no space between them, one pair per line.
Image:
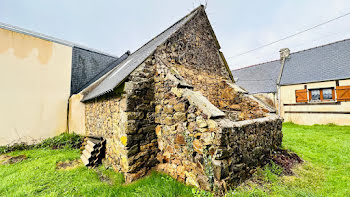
323,63
119,73
260,78
89,66
86,65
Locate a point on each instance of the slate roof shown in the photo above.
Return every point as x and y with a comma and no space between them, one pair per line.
88,66
323,63
259,78
119,73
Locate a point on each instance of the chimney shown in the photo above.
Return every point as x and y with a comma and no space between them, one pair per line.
284,53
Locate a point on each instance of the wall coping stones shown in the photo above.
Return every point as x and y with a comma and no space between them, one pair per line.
226,123
196,98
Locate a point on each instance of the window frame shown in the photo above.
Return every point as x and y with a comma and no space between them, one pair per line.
321,95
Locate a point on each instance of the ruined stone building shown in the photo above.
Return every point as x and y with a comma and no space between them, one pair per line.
172,105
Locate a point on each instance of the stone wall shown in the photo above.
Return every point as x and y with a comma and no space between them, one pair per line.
206,149
125,118
194,52
242,146
106,117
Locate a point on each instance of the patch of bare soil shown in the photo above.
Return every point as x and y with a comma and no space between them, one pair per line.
287,160
68,165
6,159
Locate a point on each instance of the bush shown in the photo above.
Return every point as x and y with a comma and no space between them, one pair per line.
64,140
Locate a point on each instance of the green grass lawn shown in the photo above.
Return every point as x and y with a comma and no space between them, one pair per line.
326,172
38,176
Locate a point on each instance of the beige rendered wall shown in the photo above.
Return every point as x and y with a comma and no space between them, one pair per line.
288,97
76,114
35,86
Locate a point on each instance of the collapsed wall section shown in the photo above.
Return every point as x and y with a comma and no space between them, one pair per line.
194,52
198,145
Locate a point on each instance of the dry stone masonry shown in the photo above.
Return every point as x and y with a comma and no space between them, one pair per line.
180,113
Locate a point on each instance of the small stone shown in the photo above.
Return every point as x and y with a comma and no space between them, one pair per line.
180,107
235,107
191,179
135,115
197,146
158,130
181,173
169,149
180,117
168,121
133,150
169,109
158,109
203,182
207,138
131,127
201,122
191,126
203,130
212,124
191,117
176,91
161,145
180,139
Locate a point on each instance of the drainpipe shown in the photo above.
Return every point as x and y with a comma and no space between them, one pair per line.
284,54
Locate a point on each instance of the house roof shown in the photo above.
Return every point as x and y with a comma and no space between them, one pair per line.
89,66
117,75
323,63
49,38
259,78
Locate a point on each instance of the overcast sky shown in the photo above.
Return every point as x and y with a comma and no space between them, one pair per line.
117,26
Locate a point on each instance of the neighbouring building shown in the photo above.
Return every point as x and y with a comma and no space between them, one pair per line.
38,75
306,87
172,105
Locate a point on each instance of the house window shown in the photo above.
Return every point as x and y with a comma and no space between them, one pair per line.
324,94
340,94
315,95
327,94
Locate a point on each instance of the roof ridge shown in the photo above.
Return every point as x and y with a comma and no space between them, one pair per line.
201,6
49,38
158,38
335,42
